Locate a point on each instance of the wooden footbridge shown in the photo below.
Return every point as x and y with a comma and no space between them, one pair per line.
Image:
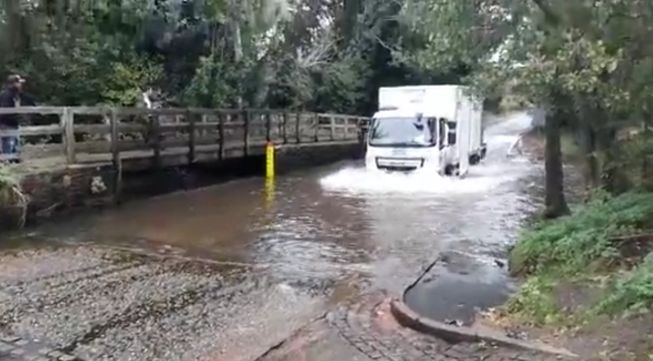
136,138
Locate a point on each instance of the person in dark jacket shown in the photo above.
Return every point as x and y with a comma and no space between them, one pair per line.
11,97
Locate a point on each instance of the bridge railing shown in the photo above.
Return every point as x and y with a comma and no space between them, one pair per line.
77,135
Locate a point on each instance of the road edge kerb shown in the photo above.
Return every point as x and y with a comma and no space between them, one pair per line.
406,317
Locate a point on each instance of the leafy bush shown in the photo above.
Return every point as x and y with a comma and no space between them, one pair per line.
586,245
572,244
634,292
127,80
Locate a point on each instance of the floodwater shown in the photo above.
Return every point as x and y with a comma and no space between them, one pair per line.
225,272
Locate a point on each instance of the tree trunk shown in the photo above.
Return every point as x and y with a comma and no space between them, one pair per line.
614,179
236,17
592,167
352,9
555,202
588,119
238,55
61,17
16,35
647,171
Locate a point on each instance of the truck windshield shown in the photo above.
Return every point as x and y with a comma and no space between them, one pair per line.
406,132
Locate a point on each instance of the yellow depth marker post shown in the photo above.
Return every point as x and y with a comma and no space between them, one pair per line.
269,161
269,189
269,193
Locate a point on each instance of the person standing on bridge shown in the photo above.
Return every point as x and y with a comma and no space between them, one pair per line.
12,96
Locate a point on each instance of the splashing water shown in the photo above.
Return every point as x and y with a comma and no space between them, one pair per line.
502,165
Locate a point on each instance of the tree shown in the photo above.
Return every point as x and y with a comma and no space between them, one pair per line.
581,60
312,54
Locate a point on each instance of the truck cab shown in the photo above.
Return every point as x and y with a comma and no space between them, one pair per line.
437,128
406,140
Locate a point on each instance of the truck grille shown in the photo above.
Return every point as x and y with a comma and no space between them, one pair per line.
399,164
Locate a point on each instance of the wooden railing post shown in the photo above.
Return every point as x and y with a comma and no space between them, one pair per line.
284,129
332,124
221,135
245,116
268,126
68,119
298,135
191,137
316,124
156,136
204,120
348,128
115,156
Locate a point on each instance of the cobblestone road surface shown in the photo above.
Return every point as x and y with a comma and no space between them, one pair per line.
99,303
365,330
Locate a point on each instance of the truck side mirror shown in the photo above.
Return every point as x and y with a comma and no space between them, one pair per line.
419,125
433,130
442,129
370,128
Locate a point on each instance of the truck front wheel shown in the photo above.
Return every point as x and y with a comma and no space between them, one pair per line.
474,159
452,169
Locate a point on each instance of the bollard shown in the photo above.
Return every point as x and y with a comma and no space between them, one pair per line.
269,193
269,161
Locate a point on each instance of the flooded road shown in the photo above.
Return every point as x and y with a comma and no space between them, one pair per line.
226,272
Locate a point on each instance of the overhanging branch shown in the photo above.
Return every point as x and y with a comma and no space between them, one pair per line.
549,14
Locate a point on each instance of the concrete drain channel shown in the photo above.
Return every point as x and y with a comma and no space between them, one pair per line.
446,298
458,285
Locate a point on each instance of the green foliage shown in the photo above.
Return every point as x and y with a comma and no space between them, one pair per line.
64,71
340,85
590,245
573,244
316,55
581,60
633,292
214,84
534,302
127,80
457,32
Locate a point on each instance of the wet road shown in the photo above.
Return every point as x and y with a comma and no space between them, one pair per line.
226,272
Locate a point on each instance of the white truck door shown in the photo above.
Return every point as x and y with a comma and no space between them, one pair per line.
464,115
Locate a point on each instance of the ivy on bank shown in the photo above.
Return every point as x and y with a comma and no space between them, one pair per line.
606,244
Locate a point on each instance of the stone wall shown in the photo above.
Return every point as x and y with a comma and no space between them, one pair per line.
59,190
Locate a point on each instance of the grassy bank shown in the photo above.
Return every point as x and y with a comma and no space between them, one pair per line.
597,261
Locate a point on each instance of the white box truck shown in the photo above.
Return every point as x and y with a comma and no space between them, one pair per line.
435,127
